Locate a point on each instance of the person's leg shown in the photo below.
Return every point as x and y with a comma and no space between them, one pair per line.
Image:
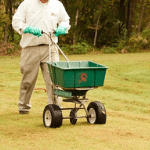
48,83
44,50
45,71
29,65
55,58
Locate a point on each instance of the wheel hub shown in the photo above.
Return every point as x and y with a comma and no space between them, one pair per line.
48,118
92,114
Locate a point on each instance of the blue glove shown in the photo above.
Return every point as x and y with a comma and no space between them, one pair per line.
33,30
60,30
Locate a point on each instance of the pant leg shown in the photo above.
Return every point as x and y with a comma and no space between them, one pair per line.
29,65
54,53
45,71
48,83
55,58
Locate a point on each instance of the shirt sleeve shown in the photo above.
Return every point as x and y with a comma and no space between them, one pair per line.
64,18
19,18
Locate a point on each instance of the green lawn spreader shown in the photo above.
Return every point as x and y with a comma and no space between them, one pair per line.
71,81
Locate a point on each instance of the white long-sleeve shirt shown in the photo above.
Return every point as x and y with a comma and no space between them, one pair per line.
46,16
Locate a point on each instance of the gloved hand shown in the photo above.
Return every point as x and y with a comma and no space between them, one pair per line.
60,30
33,30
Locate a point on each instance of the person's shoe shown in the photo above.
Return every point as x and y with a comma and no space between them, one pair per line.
23,112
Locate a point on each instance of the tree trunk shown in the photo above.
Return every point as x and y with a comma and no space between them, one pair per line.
5,33
98,19
10,17
6,25
122,11
141,16
130,16
122,15
76,22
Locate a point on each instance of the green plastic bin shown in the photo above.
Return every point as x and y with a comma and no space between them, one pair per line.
77,74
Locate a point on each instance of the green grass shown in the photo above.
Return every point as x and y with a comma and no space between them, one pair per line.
125,95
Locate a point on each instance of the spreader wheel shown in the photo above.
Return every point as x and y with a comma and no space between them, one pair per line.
52,116
97,113
73,116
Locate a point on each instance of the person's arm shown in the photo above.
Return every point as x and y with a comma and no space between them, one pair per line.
19,22
64,21
19,19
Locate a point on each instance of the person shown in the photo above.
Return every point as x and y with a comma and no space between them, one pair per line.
31,18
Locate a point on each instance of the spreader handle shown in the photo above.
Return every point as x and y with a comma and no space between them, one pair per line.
49,35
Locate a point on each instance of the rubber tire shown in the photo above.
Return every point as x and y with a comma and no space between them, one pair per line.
73,115
100,112
56,116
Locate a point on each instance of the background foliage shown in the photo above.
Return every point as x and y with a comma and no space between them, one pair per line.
108,25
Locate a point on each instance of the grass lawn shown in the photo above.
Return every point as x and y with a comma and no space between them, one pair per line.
125,95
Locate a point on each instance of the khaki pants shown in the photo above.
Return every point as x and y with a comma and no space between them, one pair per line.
31,59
